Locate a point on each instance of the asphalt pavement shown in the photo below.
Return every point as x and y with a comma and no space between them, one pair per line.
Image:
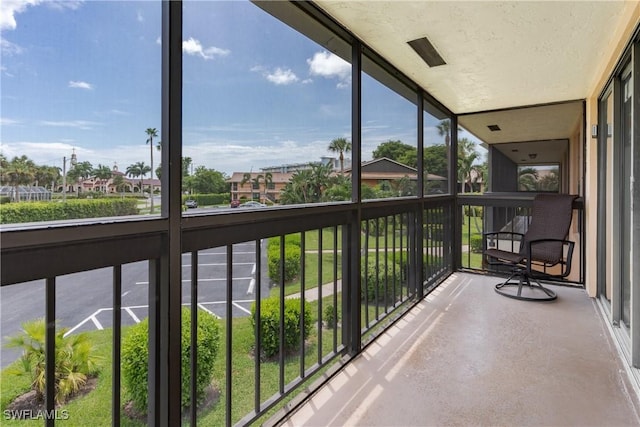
84,300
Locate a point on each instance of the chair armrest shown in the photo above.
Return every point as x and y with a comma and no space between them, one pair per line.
564,242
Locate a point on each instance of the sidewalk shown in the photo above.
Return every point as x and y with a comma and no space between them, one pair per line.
312,294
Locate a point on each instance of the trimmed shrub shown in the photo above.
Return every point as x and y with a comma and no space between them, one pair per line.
330,317
209,199
292,257
270,324
475,243
135,358
5,199
13,213
380,278
75,361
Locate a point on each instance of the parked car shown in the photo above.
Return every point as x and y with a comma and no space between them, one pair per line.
252,204
190,203
234,203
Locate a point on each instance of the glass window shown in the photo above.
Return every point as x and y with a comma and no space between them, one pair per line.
263,103
75,124
437,143
389,135
539,178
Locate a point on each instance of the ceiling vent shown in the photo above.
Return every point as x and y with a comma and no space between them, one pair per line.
494,128
427,52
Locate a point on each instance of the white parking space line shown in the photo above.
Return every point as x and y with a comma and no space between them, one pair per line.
218,263
93,317
133,316
207,310
240,307
203,280
96,322
224,253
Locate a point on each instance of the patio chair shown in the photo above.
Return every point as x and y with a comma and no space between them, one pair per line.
543,253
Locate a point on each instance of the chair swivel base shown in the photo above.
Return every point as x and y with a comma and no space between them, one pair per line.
524,289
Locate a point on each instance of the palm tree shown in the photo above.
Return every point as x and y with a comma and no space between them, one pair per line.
136,170
444,129
103,173
267,179
341,146
79,173
528,179
20,171
151,132
118,182
467,154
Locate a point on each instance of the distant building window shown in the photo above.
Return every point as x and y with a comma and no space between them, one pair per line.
256,186
271,186
235,186
255,196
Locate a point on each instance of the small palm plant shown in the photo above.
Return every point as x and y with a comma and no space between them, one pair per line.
74,359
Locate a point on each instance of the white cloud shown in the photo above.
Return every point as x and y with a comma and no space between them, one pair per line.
9,48
279,76
194,47
10,8
78,124
4,121
328,65
80,85
282,77
159,40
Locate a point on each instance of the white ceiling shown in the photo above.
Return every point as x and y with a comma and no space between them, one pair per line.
499,55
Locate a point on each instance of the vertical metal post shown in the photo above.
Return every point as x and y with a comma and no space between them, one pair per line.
453,187
50,349
353,321
193,363
258,326
229,339
319,297
116,345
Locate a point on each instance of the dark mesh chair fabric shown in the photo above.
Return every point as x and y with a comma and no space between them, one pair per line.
542,244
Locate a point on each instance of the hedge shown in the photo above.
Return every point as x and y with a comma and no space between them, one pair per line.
135,358
292,257
381,278
13,213
270,324
209,199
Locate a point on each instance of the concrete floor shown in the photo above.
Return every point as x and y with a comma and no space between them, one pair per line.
468,356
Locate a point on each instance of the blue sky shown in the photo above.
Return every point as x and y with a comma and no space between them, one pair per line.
85,76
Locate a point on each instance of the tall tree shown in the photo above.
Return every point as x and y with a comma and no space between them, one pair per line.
467,155
20,171
267,180
80,172
136,170
340,146
151,133
103,173
394,150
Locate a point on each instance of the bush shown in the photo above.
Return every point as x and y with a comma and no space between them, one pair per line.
270,324
292,257
135,358
74,359
5,199
13,213
209,199
475,243
330,317
383,278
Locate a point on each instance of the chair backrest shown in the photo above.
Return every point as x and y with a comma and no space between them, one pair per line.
550,219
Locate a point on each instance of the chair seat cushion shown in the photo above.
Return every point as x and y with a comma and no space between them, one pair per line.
513,257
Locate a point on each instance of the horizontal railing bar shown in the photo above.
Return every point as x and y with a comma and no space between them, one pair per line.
52,261
500,200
